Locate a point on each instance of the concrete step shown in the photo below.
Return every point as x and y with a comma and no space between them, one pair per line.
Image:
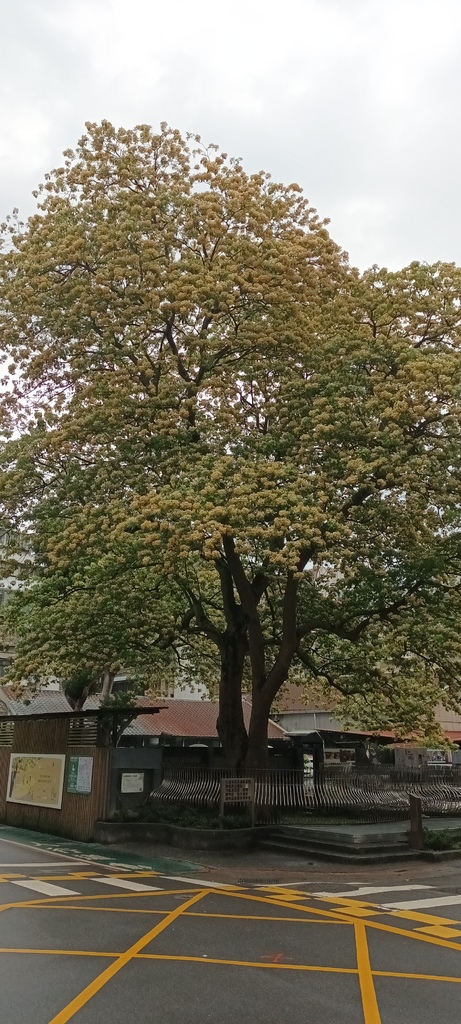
348,855
323,843
344,836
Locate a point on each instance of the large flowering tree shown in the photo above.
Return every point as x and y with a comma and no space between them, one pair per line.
224,449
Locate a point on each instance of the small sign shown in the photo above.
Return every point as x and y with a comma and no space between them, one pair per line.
80,775
132,782
236,790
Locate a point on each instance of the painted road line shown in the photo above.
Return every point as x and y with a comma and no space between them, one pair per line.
34,864
244,963
375,925
95,986
436,901
34,847
45,887
200,881
134,875
371,1013
120,864
289,885
284,892
124,883
441,932
429,919
367,890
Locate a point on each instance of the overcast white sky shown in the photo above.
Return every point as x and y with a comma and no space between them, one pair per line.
357,100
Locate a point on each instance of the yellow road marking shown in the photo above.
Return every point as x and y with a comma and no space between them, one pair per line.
95,986
283,893
246,963
357,908
440,932
61,878
300,967
343,902
355,912
130,874
232,917
232,963
429,919
415,977
416,934
104,896
275,902
91,874
371,1014
410,915
60,952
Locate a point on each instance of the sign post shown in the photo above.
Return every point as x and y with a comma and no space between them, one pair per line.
237,791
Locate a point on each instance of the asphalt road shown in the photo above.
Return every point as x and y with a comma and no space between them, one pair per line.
115,940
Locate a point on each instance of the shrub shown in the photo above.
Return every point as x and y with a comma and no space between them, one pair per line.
183,815
441,840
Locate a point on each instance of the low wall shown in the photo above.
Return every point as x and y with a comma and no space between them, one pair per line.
175,835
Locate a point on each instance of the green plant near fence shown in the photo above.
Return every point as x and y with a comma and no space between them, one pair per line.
183,815
444,839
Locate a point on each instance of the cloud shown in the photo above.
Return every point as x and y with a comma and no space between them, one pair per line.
355,99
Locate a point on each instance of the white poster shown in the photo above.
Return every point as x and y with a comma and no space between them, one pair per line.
132,782
84,774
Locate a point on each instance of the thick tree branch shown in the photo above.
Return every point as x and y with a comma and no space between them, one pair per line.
196,611
230,606
352,633
250,607
320,672
174,348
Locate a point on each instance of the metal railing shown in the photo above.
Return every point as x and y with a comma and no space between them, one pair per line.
378,793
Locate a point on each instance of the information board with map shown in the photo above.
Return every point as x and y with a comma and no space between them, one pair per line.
36,779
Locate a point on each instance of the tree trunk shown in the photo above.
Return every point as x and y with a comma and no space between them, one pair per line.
230,724
107,684
257,754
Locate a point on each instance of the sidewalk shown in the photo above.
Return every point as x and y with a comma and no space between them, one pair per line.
259,865
249,867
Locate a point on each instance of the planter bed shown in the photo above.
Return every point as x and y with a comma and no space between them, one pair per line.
176,835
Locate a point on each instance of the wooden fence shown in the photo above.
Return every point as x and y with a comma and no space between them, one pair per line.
78,811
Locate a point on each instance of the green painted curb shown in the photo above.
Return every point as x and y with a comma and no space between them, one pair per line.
93,851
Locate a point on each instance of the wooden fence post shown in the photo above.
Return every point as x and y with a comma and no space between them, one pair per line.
416,823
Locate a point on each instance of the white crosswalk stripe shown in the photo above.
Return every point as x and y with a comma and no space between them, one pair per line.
200,882
436,901
125,883
39,864
46,888
368,890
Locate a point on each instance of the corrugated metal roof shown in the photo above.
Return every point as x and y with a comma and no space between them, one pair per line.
46,702
189,718
15,707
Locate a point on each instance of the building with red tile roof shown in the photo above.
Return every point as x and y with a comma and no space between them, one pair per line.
186,719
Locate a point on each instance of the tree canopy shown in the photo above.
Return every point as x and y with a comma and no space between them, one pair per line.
224,448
